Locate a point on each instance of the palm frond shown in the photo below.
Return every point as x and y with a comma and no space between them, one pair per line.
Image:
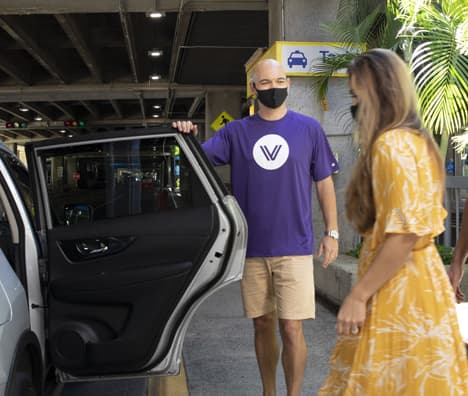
327,68
346,31
356,23
388,36
440,69
461,140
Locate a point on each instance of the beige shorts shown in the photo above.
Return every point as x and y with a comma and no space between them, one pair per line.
284,284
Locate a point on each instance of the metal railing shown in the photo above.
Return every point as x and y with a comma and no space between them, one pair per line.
456,192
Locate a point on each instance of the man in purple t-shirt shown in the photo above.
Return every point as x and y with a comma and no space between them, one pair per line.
274,156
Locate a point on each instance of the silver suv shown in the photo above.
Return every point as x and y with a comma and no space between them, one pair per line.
108,245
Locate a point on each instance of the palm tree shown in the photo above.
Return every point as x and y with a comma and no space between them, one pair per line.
437,36
369,23
433,37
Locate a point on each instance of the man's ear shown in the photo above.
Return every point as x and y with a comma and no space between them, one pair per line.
253,88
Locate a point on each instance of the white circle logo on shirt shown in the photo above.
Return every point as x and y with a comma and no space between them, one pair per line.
271,152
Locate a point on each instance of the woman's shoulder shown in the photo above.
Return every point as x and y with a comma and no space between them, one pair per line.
399,139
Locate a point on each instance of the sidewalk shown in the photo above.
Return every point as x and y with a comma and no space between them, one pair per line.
219,353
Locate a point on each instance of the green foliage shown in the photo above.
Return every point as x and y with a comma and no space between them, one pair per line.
431,35
356,251
434,33
446,253
369,23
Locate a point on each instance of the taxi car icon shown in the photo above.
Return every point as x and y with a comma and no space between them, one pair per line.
297,58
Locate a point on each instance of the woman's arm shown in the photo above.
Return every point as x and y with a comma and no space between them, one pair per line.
395,251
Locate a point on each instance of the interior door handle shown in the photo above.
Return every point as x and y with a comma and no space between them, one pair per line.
91,247
77,250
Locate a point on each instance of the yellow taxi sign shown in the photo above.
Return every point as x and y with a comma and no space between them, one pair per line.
221,121
300,58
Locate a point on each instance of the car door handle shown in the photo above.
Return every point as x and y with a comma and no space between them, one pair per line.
93,247
77,250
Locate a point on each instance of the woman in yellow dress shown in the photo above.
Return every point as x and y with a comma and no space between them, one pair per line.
398,330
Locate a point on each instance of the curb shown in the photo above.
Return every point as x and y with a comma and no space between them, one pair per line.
335,282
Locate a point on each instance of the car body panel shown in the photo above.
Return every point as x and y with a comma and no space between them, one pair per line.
23,235
15,317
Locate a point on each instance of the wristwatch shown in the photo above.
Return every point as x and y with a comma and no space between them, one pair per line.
332,234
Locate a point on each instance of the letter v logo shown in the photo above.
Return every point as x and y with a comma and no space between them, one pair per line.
271,152
271,156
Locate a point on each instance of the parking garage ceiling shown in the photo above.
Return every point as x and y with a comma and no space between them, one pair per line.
93,61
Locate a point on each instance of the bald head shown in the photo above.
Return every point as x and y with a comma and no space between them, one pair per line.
267,68
269,84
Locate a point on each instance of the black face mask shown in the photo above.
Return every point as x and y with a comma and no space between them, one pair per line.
273,97
354,110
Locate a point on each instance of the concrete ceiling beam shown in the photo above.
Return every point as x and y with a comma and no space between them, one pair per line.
76,36
28,43
91,108
195,105
14,113
36,109
117,109
16,71
46,93
27,7
130,44
64,109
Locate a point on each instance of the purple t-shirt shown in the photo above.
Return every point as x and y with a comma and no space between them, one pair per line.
272,167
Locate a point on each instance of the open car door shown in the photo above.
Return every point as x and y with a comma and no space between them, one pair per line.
138,231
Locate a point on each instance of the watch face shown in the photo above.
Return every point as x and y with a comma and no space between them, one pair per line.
333,234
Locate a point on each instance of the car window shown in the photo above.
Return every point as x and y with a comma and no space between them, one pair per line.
104,180
6,241
20,175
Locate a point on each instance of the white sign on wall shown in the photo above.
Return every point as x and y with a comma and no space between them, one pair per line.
299,58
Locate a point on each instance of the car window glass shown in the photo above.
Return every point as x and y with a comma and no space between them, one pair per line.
6,241
93,182
20,175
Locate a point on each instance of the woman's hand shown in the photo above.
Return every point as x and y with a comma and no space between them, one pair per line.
351,315
455,274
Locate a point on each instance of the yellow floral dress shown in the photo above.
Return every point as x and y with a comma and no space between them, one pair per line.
410,343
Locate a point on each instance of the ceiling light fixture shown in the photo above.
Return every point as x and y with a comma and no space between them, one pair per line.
155,115
63,131
23,109
155,77
157,107
38,118
156,14
155,53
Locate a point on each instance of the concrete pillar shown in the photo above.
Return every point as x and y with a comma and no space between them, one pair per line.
299,20
215,104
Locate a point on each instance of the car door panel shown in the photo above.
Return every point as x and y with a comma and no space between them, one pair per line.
153,238
129,255
126,279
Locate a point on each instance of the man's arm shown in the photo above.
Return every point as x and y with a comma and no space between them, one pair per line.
327,200
457,267
216,148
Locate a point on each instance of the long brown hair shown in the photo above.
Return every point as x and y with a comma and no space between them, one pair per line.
382,83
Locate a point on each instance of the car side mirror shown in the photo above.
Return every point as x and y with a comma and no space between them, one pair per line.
78,213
